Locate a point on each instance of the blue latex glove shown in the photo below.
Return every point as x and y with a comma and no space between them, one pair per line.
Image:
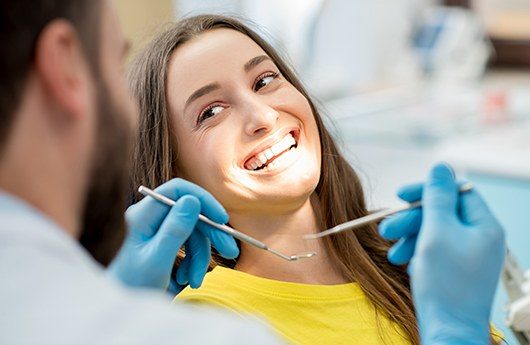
157,232
456,250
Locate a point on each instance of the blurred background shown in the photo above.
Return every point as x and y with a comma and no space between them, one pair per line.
405,83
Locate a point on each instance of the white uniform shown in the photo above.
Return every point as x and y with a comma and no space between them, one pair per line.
53,292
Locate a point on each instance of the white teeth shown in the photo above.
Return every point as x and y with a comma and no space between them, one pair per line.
283,145
268,154
263,157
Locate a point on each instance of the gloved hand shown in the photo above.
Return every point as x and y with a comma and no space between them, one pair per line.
456,250
157,232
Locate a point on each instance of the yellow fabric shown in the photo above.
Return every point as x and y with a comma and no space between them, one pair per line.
301,313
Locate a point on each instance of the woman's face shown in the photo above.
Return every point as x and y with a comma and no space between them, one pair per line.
243,132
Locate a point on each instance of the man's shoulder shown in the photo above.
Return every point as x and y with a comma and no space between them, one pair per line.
48,301
53,292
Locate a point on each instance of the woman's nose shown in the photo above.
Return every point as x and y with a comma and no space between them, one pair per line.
260,118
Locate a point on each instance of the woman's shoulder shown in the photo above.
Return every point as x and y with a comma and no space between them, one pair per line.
211,284
202,296
217,288
217,284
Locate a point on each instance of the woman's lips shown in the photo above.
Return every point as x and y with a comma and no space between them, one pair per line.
270,154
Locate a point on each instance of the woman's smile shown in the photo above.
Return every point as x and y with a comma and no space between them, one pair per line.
275,153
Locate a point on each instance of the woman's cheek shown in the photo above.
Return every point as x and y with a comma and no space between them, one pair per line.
211,159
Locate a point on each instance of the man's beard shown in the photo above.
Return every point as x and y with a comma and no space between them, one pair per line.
103,226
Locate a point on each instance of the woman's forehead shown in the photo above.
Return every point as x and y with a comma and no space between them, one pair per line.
216,46
210,57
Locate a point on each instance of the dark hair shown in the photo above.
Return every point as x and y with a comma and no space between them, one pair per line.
21,22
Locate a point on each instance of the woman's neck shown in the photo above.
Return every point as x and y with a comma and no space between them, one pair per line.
285,234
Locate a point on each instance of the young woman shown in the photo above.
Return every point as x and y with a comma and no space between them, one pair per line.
220,108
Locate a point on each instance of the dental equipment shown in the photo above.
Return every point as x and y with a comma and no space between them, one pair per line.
374,217
516,283
226,229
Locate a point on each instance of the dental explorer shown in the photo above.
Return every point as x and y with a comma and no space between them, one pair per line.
374,217
226,229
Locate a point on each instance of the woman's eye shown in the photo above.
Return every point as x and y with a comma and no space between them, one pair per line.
264,81
209,112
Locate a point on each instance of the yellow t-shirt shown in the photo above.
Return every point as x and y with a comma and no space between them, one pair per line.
301,313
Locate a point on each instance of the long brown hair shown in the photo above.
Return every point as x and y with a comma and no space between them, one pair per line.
361,255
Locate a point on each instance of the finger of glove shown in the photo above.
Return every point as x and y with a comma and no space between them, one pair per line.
402,251
199,249
401,225
177,227
411,193
414,192
440,195
473,209
222,242
174,287
146,216
183,271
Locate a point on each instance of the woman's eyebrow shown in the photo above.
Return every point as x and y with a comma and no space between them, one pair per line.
215,86
254,62
201,92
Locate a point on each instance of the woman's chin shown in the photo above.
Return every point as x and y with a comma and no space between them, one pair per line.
278,191
274,205
295,182
281,198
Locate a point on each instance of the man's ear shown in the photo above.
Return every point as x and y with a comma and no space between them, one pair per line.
62,67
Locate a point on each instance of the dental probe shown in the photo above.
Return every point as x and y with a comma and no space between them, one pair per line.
224,228
374,217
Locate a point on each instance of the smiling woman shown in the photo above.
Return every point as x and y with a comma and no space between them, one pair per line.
220,108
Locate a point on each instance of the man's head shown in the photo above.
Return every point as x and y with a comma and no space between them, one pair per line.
64,106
